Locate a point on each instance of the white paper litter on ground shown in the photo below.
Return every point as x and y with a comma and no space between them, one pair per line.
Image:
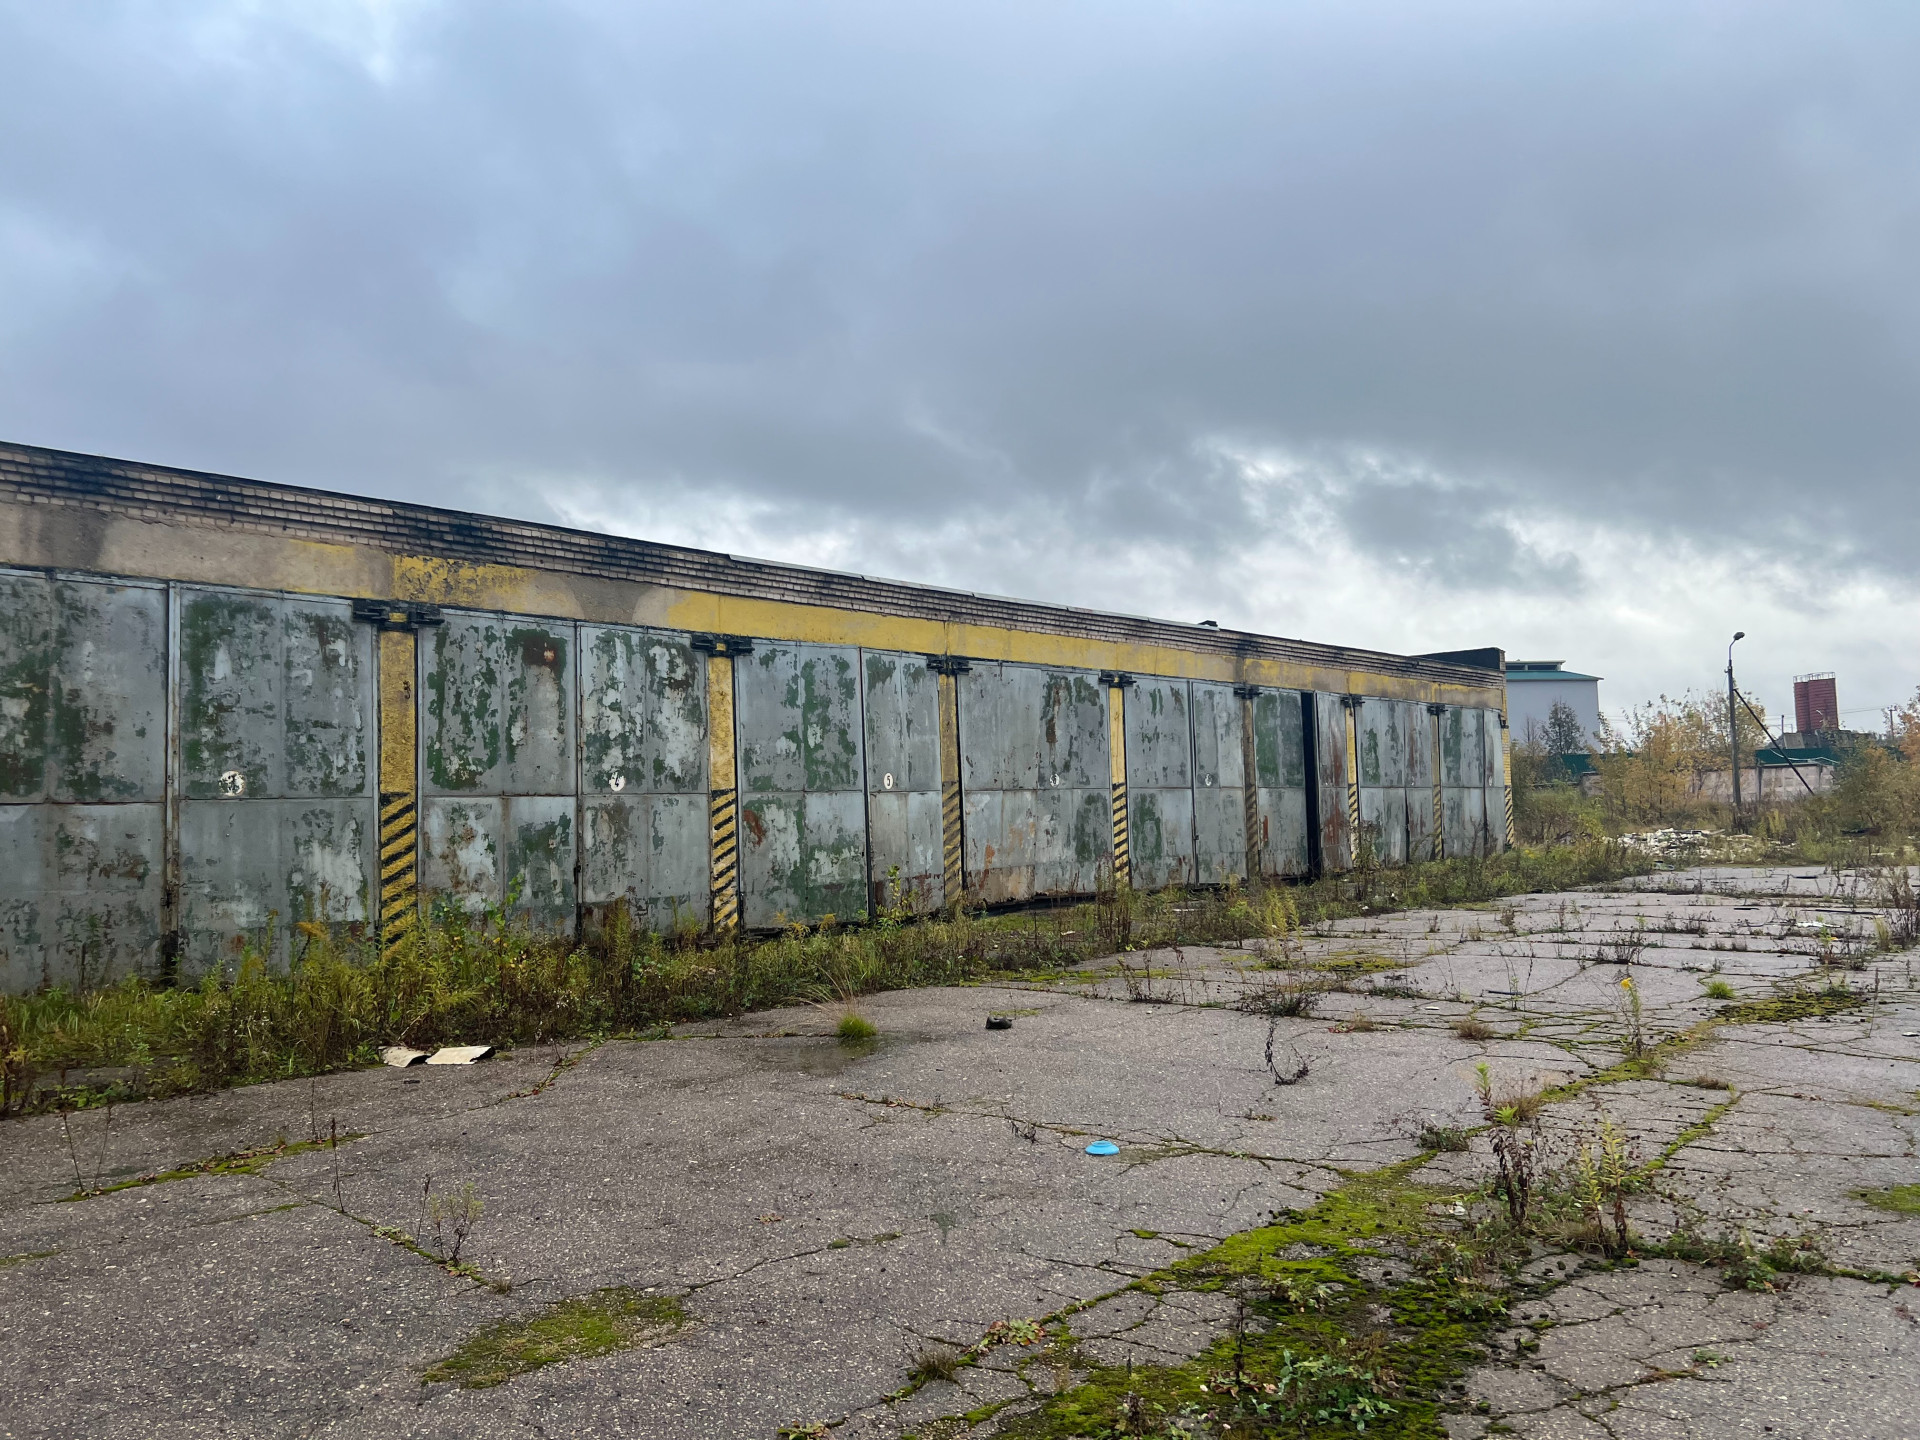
459,1054
399,1056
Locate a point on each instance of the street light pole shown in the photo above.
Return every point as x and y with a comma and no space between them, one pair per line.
1733,724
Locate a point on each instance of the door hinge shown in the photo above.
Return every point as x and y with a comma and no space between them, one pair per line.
397,614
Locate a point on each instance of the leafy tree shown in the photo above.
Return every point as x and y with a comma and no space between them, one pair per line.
1563,734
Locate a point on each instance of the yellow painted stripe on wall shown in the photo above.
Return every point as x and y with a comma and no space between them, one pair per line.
162,551
399,788
724,799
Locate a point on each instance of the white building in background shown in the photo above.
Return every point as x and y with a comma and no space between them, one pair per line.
1534,685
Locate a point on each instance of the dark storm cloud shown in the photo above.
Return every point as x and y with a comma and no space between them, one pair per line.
1641,265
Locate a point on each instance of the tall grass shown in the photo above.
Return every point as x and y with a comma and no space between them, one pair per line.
490,978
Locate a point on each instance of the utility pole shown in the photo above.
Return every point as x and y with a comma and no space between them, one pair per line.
1733,724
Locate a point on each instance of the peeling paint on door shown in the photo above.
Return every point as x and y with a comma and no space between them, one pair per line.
277,820
644,757
1330,754
802,803
498,764
1281,798
1035,781
1160,783
901,705
82,779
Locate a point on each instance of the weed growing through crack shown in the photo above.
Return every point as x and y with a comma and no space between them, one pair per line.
452,1217
1635,1034
1718,990
1472,1027
1744,1264
1606,1170
1443,1139
936,1362
855,1029
1294,997
1514,1133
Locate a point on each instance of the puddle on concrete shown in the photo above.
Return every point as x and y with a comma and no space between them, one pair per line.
822,1055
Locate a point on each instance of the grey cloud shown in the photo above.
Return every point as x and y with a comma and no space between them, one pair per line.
1641,265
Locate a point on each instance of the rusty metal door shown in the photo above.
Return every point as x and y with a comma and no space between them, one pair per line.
1219,784
1417,734
1330,761
1493,831
901,704
275,759
1380,725
1160,783
803,841
1462,781
1280,793
643,777
83,685
1036,781
498,765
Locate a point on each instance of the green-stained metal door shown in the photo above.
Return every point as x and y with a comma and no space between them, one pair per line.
1160,781
1219,785
498,764
901,705
1381,728
83,675
643,776
803,841
276,776
1280,765
1035,780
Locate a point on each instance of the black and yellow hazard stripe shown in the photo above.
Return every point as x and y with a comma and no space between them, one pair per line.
725,820
953,866
724,798
1353,779
953,880
399,789
399,880
1250,775
1117,762
1506,780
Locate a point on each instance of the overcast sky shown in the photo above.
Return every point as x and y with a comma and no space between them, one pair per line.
1586,330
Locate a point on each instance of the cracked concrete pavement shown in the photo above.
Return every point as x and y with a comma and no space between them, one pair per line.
825,1212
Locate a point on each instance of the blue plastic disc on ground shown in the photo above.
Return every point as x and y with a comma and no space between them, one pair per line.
1103,1147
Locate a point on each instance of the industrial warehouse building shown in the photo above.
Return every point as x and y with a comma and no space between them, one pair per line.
229,707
